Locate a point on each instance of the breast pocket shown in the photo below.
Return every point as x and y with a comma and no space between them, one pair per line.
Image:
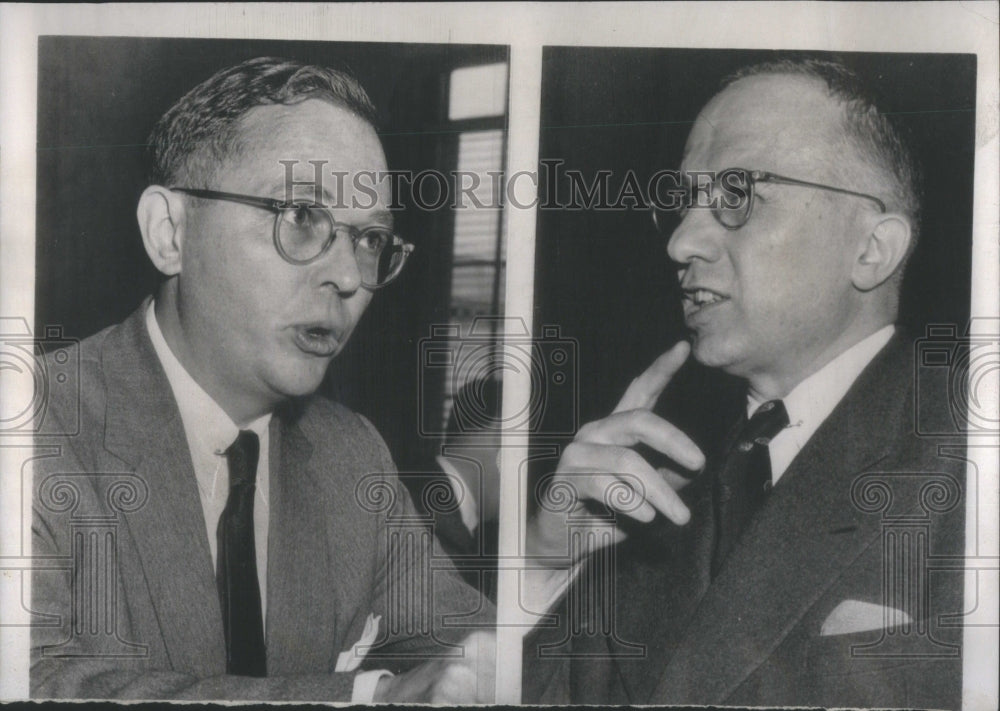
868,652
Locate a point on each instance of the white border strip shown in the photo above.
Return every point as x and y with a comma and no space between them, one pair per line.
18,105
522,155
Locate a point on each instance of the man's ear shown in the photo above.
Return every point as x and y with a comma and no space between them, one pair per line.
882,251
162,217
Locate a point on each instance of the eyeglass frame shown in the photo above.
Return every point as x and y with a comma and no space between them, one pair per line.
278,206
763,176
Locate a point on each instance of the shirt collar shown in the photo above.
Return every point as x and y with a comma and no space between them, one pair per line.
207,426
812,400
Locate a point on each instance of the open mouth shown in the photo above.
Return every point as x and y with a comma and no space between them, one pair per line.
697,299
316,340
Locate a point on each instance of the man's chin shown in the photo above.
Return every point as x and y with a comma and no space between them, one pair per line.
300,382
712,351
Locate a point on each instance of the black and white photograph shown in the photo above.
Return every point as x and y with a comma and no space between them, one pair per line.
276,155
500,354
750,232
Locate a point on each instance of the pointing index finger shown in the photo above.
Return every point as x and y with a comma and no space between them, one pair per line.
645,390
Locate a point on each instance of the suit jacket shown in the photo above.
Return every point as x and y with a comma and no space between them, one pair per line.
126,595
474,553
860,517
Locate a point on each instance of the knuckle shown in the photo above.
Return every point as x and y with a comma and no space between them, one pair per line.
644,418
588,430
624,459
644,513
575,452
589,486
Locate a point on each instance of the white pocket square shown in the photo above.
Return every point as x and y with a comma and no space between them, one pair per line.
351,659
860,616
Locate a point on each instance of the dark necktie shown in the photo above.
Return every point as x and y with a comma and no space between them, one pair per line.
744,480
236,572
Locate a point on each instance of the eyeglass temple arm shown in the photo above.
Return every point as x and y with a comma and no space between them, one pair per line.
772,178
266,203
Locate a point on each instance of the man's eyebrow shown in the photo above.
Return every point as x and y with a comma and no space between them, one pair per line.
383,217
328,198
380,216
306,189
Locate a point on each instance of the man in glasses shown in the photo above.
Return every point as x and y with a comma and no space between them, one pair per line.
764,575
254,561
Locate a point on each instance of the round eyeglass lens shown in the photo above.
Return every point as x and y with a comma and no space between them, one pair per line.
390,263
373,251
732,197
303,231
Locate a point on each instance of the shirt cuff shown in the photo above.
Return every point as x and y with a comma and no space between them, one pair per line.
364,685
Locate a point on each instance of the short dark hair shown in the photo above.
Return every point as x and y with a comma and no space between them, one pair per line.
871,130
201,131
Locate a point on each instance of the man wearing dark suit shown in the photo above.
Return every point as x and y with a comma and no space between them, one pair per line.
781,571
253,544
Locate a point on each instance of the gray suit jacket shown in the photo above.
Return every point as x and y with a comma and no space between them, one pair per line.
868,512
126,593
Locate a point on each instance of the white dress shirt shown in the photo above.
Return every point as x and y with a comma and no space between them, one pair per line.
811,401
468,507
209,432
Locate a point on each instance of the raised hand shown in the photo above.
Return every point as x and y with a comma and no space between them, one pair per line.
601,464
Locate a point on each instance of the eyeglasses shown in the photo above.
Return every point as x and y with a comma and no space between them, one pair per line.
731,195
303,232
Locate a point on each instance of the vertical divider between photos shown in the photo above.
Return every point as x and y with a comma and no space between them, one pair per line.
524,92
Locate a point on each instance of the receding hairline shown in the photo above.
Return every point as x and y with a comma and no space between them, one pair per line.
194,136
838,107
834,118
242,124
859,163
250,132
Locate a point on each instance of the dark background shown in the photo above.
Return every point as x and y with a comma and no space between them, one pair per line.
98,99
604,276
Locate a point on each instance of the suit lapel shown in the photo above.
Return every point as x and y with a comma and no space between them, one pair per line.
301,604
677,569
681,573
795,547
144,430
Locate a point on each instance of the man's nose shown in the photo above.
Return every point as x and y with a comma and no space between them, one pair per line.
339,267
696,237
